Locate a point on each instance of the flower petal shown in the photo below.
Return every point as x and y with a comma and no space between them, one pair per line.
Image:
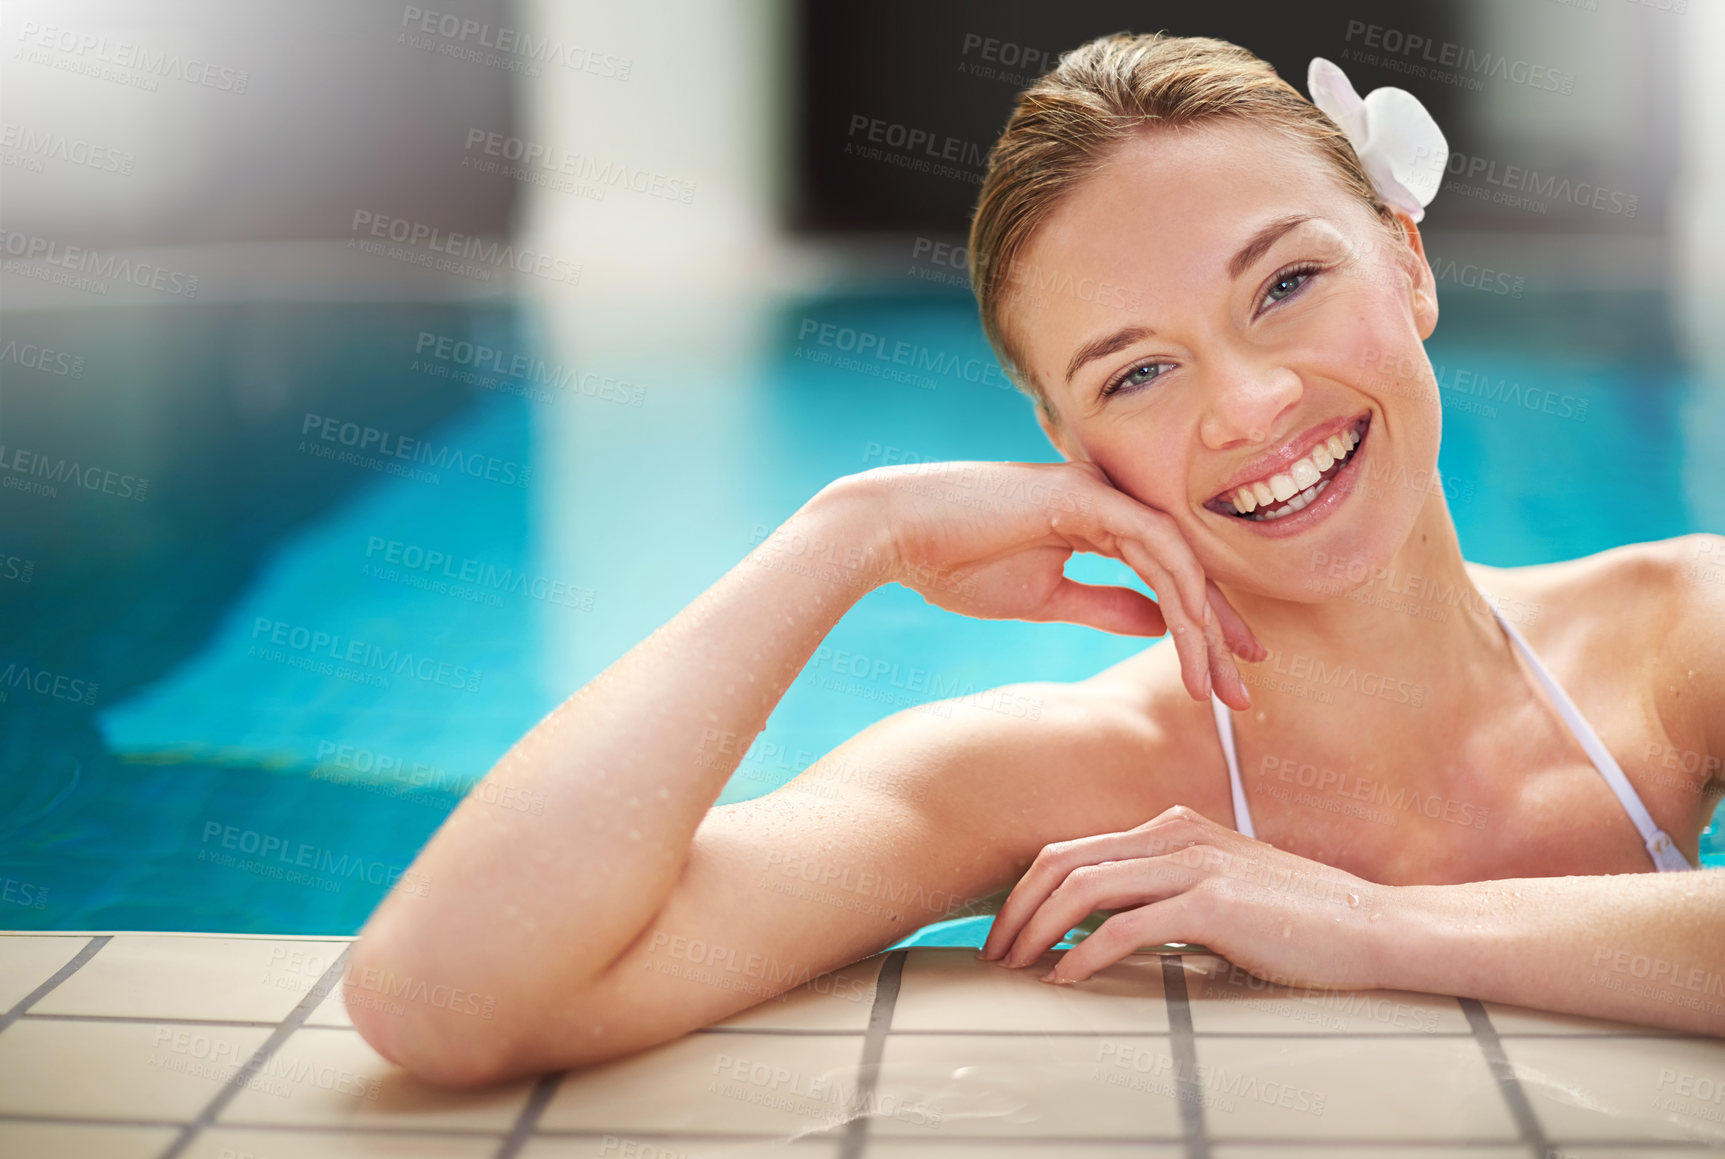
1403,140
1334,94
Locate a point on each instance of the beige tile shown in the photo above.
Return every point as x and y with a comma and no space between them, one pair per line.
786,1085
1622,1088
884,1148
332,1078
936,1085
952,990
173,976
1521,1020
118,1070
1224,997
83,1141
1401,1151
841,1000
27,962
332,1011
1628,1151
672,1147
230,1143
1431,1089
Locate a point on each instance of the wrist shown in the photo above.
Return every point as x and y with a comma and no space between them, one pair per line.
845,533
1411,946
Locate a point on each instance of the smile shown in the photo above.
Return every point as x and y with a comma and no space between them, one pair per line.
1285,491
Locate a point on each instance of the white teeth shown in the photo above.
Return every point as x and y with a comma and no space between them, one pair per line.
1299,484
1293,505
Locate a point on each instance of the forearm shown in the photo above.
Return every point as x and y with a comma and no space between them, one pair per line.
626,769
1647,948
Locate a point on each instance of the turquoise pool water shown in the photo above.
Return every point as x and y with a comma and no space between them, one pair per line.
272,671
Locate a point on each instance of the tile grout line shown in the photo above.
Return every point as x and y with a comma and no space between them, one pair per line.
528,1120
231,1089
1183,1045
874,1048
1520,1109
64,972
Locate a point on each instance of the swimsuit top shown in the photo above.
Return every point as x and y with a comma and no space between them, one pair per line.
1665,854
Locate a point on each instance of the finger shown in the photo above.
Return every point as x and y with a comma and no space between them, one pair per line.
1112,609
1188,635
1178,829
1150,542
1126,519
1045,875
1174,919
1241,639
1110,886
1229,685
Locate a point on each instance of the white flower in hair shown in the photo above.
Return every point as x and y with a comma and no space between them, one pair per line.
1401,147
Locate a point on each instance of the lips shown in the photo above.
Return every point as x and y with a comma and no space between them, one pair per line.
1286,482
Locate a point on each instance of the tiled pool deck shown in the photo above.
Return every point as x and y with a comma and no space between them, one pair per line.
235,1047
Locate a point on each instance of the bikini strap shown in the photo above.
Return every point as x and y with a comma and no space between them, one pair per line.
1664,851
1225,730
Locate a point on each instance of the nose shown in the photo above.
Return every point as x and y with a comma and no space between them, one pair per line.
1244,400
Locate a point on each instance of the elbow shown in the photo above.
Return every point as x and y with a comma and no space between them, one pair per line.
442,1034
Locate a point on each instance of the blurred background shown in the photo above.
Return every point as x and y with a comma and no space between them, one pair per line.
372,375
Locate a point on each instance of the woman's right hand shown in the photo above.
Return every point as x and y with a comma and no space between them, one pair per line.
991,540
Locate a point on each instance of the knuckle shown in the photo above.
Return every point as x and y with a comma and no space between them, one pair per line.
1220,891
1179,815
1052,852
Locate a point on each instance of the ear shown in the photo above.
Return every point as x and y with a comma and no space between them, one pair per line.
1059,436
1423,284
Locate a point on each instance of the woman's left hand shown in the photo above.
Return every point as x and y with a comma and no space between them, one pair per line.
1184,878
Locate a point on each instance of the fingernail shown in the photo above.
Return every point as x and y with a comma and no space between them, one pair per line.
1048,977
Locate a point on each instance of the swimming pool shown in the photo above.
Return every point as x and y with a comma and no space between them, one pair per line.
280,581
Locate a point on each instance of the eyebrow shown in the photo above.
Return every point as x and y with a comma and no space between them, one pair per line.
1256,247
1262,241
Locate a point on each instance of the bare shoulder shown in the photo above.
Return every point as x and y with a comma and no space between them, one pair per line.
1661,590
1036,761
1656,609
1148,692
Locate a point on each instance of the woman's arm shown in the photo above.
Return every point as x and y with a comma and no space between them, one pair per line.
564,935
1646,948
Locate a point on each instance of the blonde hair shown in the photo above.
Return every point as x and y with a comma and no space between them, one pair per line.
1070,121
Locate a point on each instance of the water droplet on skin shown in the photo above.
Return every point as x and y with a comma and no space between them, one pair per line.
1375,917
1287,931
1353,900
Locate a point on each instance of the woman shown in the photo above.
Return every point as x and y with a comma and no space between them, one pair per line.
1252,425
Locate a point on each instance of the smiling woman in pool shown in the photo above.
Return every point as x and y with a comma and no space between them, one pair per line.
1252,426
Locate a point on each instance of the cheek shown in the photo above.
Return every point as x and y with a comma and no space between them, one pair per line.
1382,358
1150,469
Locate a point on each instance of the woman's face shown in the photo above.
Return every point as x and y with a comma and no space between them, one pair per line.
1203,314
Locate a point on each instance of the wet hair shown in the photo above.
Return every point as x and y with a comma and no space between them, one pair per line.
1067,124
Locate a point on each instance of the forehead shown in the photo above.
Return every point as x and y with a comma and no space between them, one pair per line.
1159,221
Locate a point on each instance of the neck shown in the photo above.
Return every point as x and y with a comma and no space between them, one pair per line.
1418,619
